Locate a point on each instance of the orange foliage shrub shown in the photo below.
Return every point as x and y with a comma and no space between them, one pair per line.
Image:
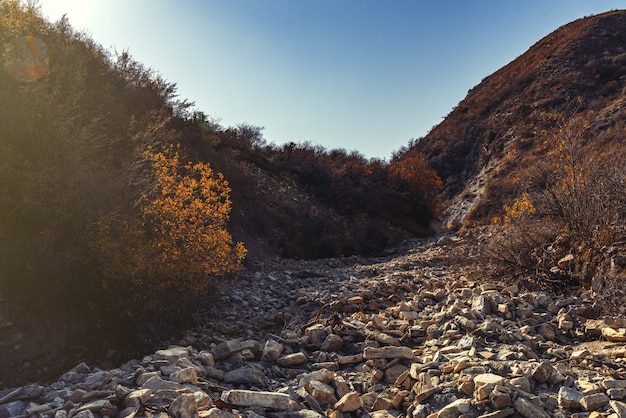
414,176
522,206
178,245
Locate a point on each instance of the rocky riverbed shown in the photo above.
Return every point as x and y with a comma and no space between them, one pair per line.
411,334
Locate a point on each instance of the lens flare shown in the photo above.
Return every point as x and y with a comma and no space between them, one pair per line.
26,59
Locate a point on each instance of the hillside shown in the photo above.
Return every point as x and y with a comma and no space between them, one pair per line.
488,145
294,281
123,208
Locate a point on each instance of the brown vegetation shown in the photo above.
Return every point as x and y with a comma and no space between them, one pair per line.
506,118
118,202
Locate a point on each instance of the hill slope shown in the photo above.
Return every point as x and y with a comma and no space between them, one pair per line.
498,133
119,202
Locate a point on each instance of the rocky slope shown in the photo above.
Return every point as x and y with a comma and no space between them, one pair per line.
418,333
498,132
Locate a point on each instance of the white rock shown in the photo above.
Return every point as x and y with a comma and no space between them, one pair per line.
280,401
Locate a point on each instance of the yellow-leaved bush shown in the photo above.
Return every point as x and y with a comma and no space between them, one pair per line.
522,206
177,243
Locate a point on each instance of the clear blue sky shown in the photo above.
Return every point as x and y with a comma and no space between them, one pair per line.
355,74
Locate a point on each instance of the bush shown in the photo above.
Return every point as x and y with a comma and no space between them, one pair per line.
578,208
176,246
521,242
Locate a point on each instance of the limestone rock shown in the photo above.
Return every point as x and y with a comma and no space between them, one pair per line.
527,409
137,397
541,372
155,383
614,335
405,353
172,354
569,398
322,375
594,402
317,334
481,305
455,409
488,378
271,350
226,349
184,406
246,375
294,359
187,375
324,394
332,343
349,402
280,401
619,408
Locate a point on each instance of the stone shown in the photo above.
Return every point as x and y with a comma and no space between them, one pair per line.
541,372
322,393
617,393
594,401
619,408
96,380
84,414
349,402
248,398
482,392
614,384
184,406
12,409
488,378
409,315
206,358
272,350
144,377
455,409
500,399
226,349
579,355
172,354
547,331
569,398
527,409
322,375
155,383
521,383
420,340
317,334
594,327
332,343
614,335
392,373
466,387
246,375
565,262
137,397
481,305
405,353
187,375
214,373
294,359
100,406
352,359
341,385
385,401
586,387
426,393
